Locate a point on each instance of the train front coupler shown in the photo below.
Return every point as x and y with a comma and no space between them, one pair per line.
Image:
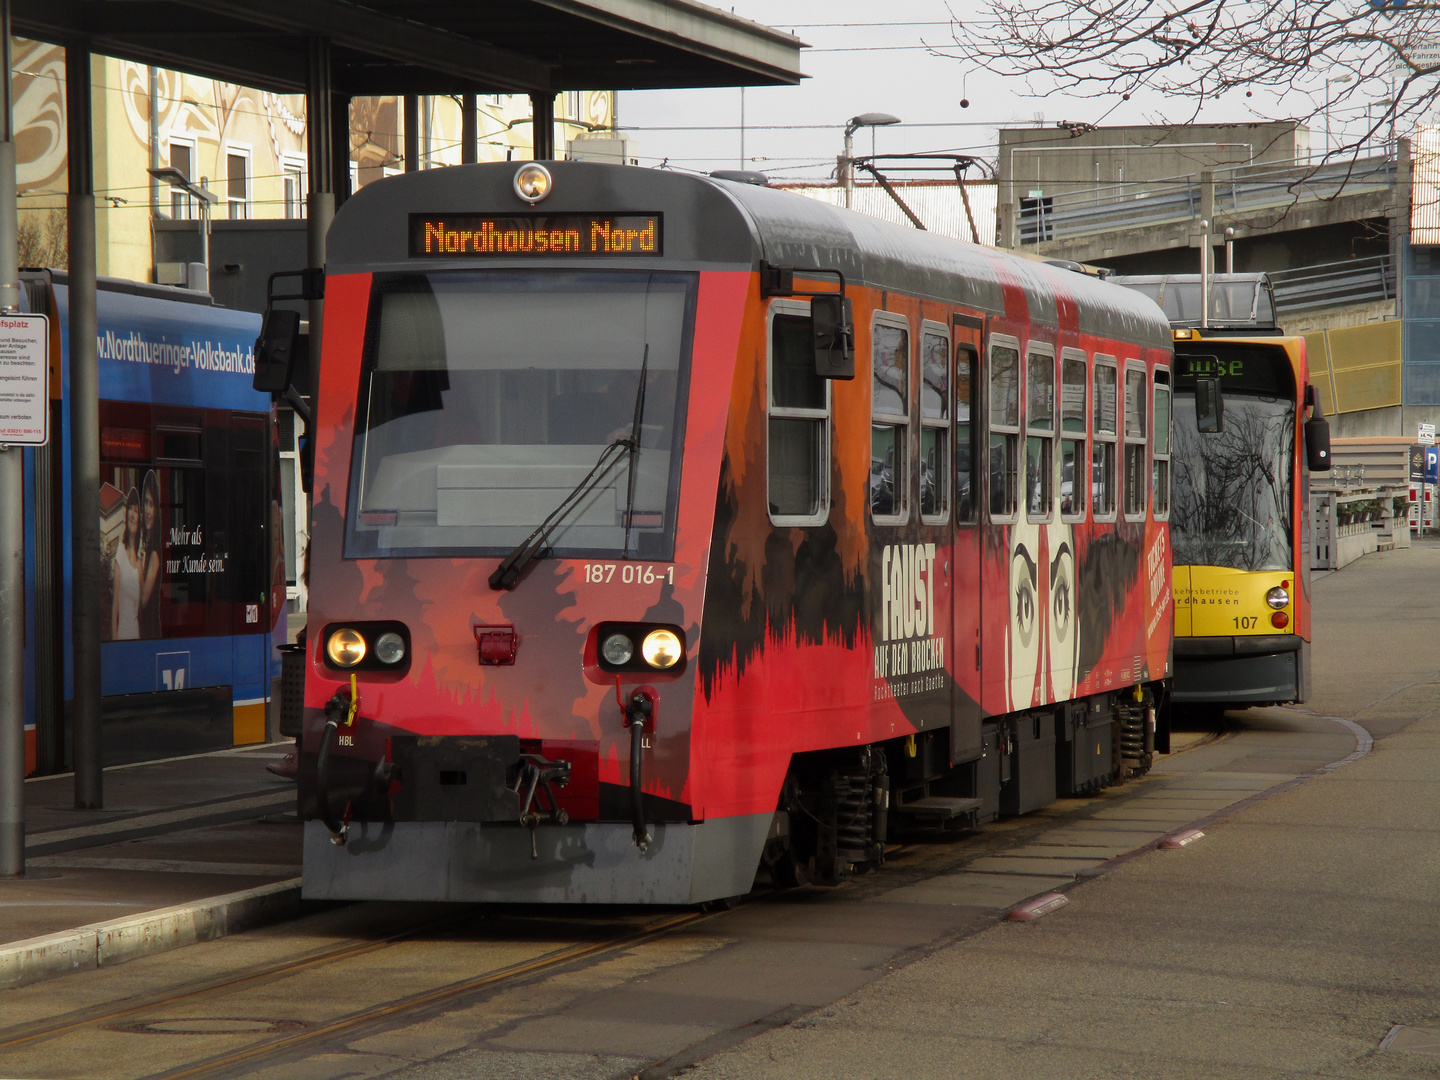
639,711
539,775
342,710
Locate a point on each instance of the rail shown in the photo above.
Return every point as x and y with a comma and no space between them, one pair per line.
1239,189
1354,281
1347,525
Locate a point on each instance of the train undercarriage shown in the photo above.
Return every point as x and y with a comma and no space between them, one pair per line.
840,808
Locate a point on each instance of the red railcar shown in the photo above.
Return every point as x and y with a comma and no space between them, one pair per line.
629,577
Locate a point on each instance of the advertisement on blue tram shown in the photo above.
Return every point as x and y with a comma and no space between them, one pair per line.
192,564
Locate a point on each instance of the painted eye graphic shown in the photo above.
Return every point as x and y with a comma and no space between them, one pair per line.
1022,596
1062,599
1062,626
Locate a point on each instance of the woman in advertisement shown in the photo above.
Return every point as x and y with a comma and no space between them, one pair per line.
125,606
150,533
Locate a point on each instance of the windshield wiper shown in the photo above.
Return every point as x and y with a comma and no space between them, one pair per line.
635,447
507,574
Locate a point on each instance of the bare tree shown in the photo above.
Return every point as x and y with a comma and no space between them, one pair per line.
43,238
1350,58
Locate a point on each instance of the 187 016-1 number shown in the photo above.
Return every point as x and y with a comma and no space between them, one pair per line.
628,573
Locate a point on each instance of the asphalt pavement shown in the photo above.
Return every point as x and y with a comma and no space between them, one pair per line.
1298,938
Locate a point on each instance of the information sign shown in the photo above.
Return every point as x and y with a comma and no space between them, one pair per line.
535,235
1426,436
24,380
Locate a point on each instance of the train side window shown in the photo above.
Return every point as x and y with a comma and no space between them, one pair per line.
1104,431
889,419
798,454
1072,435
1160,467
934,424
1137,480
1004,431
967,500
1039,435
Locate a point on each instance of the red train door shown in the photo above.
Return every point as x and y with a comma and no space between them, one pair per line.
968,337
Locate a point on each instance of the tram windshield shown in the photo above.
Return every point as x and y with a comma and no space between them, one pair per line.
1232,501
488,396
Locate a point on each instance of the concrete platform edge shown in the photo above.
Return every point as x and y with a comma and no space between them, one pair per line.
115,941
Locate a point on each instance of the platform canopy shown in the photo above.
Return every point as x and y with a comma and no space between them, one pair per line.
430,46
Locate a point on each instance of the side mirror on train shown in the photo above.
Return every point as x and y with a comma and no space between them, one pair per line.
834,336
1209,407
1317,444
1317,433
276,350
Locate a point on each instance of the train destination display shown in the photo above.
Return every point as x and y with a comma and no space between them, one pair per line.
487,235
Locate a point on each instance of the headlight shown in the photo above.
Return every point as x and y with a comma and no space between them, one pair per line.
617,650
533,182
389,648
1277,598
346,648
661,649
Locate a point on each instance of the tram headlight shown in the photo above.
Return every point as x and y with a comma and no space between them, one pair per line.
533,182
662,649
346,648
1277,598
617,649
389,648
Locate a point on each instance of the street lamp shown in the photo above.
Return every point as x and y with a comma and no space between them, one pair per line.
870,120
176,179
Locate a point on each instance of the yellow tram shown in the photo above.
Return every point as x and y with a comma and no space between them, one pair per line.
1248,430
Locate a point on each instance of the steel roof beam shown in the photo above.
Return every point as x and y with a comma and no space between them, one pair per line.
405,41
697,29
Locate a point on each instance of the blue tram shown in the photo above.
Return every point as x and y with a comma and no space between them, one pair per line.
192,583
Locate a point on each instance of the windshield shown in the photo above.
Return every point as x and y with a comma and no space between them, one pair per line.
1231,504
486,397
1244,303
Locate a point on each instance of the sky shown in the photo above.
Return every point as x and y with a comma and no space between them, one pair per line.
864,57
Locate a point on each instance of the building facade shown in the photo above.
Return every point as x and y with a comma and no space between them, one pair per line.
247,146
1333,234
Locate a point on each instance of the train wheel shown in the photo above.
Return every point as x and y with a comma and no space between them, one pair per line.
787,871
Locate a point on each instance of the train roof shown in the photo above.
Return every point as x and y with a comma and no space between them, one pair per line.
714,223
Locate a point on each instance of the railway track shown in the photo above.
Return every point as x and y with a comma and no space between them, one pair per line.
579,942
247,1058
291,1037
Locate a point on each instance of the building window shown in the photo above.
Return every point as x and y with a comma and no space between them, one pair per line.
967,501
1004,431
1039,436
237,184
798,452
295,175
934,424
889,421
1104,431
182,158
1160,468
1137,479
1072,435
